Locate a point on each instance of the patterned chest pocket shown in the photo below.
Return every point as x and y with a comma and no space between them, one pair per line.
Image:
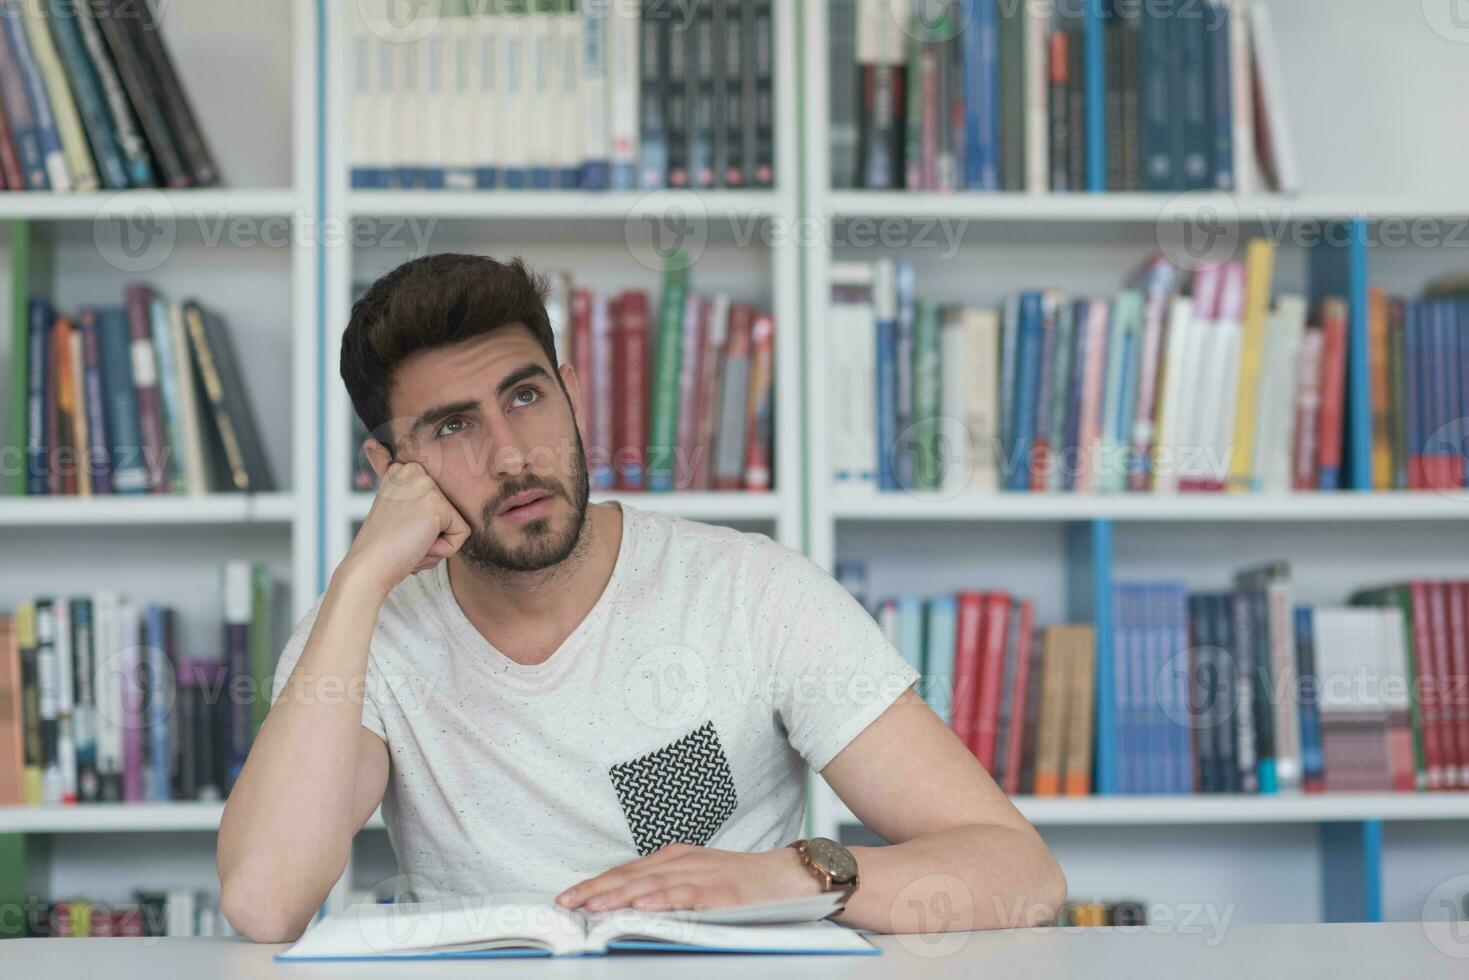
681,793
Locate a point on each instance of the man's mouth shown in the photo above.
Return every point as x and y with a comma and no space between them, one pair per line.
523,506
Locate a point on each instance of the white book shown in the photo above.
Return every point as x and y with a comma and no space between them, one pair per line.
623,81
981,407
487,79
1037,27
1242,99
1222,370
459,109
540,106
532,924
387,155
1277,126
595,97
514,32
956,457
407,112
362,105
851,310
181,915
107,683
567,93
600,406
66,750
1275,418
1172,401
431,99
558,312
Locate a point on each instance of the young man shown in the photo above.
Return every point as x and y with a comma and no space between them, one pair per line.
594,701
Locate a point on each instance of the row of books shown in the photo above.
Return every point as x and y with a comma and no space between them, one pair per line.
1246,692
678,396
171,913
112,710
1207,381
986,95
89,98
143,397
1019,696
538,94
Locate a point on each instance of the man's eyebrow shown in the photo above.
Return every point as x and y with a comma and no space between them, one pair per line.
528,370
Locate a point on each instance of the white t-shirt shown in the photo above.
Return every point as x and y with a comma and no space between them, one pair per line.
714,668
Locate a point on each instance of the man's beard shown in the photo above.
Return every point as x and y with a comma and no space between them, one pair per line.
543,547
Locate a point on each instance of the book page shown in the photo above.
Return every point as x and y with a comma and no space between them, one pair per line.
452,925
795,924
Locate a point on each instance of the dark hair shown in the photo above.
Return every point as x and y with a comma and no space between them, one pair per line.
429,302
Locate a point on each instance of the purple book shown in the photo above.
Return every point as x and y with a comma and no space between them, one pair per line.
100,447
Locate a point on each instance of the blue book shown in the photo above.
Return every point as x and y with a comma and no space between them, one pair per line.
1027,379
1413,396
47,134
20,113
1156,98
99,449
653,135
38,333
86,89
157,771
888,450
1313,767
1095,92
980,39
125,433
910,630
1070,448
907,307
1124,630
1176,640
1221,110
1453,440
938,655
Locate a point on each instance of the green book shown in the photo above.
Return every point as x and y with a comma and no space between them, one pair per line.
927,461
263,649
667,362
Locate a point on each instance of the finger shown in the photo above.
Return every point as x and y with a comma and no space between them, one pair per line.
624,895
442,548
685,896
616,876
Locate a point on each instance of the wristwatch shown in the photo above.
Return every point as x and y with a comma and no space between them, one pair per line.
831,863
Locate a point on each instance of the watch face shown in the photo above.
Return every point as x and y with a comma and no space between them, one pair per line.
832,858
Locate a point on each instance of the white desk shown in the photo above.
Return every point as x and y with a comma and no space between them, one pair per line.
1338,952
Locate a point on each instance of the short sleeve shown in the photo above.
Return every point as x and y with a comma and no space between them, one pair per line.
829,668
371,717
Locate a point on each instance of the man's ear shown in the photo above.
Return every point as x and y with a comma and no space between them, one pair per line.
573,392
378,455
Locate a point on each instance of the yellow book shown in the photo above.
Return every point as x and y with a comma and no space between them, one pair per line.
1379,379
74,145
1259,268
30,710
1051,722
1080,645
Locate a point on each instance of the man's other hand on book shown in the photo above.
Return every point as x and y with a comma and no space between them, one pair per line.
683,876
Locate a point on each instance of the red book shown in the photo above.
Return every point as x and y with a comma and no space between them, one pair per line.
706,391
145,383
1333,392
1438,632
1456,596
13,176
966,665
630,390
1015,748
1429,691
61,419
991,669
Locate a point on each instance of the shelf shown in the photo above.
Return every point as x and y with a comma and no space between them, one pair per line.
121,818
1146,507
143,510
161,205
695,505
1131,207
569,205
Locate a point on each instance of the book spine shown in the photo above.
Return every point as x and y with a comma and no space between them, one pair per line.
1190,37
84,706
623,82
630,373
981,97
182,122
78,161
729,439
1156,94
1010,56
572,141
702,130
1037,89
159,696
654,136
663,417
1333,394
759,92
759,422
596,98
121,35
843,91
130,143
53,158
967,644
601,402
695,330
1060,110
1219,41
19,114
926,397
1260,261
996,632
145,382
12,177
1027,380
236,585
1456,596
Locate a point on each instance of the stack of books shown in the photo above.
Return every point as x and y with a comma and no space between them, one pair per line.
987,95
112,711
538,94
146,397
678,392
1209,381
173,912
89,98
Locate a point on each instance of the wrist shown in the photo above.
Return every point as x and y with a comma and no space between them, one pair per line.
353,582
797,880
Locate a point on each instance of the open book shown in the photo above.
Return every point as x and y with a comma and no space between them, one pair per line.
534,925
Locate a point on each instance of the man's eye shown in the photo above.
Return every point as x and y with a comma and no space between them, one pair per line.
527,390
450,427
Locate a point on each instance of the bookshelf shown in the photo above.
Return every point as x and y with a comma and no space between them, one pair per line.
277,70
1268,859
